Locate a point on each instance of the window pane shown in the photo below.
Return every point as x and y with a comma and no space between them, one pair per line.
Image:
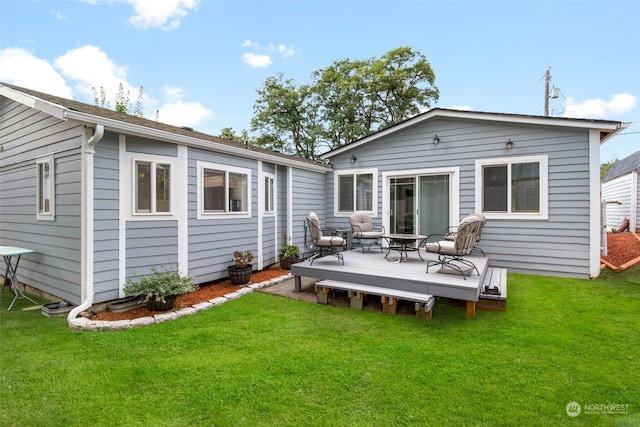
494,188
364,192
238,192
163,188
525,187
44,187
268,194
143,187
214,185
345,193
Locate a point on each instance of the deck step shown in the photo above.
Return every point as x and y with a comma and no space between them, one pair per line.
389,297
493,290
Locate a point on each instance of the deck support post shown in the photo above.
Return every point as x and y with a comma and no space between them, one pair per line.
423,310
355,300
297,284
389,305
323,295
471,309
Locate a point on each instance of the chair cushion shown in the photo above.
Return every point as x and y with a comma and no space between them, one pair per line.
328,241
446,247
368,234
361,222
314,226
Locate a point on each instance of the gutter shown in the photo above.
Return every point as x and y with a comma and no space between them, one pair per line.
86,227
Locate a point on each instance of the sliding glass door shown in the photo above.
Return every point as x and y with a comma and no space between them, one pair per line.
419,204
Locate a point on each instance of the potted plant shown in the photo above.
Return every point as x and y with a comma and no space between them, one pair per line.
161,288
240,271
289,254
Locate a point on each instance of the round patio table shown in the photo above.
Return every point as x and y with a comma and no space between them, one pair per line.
403,243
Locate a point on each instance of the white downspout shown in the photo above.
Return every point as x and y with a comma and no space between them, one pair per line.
86,232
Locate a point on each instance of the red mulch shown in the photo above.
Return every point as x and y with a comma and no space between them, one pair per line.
206,292
621,248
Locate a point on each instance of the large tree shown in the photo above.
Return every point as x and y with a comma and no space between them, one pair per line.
345,101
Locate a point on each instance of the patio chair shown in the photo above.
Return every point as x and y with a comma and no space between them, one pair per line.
362,228
454,246
449,235
321,244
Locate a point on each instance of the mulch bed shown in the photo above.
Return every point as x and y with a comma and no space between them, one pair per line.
206,292
623,250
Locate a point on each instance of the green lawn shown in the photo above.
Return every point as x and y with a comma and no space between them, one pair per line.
268,360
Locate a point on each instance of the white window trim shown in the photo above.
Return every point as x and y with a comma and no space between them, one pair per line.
130,161
201,166
544,187
262,193
51,214
336,186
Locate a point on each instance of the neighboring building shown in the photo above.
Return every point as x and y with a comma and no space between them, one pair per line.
621,184
102,197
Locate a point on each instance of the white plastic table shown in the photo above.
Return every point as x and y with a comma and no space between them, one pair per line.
10,276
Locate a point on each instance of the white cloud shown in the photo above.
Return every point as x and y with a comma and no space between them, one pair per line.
89,67
20,67
179,113
286,51
618,104
249,43
164,14
255,60
259,59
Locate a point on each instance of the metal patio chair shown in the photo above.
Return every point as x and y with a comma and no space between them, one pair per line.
362,228
324,244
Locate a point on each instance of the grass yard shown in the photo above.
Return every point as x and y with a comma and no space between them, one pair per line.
264,360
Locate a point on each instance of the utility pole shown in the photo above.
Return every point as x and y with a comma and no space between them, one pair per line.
547,79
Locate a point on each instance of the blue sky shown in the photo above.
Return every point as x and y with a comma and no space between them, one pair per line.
201,61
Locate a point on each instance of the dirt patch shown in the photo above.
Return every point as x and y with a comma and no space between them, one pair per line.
622,249
206,292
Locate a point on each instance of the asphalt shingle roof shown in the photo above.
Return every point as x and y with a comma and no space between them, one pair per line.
624,166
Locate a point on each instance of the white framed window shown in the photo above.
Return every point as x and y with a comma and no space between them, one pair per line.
45,188
515,187
153,180
268,193
223,191
355,190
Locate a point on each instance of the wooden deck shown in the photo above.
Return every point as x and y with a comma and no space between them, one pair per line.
372,269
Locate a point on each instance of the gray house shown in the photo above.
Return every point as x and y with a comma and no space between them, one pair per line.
621,184
536,179
103,197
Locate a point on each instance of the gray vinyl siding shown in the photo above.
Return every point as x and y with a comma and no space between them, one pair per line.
150,244
25,135
528,246
106,219
213,241
309,195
